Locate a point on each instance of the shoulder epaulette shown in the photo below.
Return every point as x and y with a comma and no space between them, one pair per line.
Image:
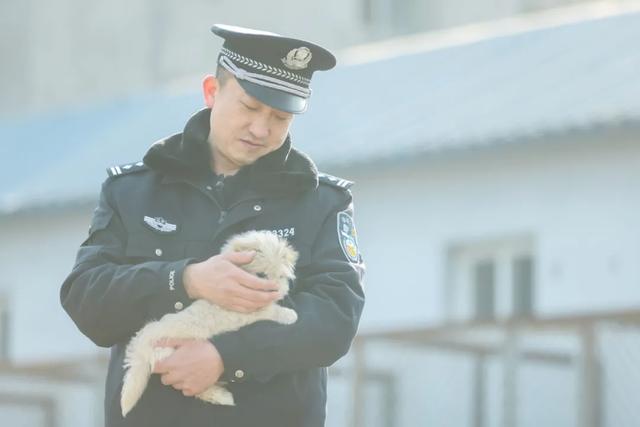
334,180
126,169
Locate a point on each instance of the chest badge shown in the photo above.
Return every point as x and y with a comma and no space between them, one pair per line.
160,224
347,236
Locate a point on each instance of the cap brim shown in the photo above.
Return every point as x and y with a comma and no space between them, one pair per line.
275,98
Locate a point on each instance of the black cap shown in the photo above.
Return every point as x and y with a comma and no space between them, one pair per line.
274,69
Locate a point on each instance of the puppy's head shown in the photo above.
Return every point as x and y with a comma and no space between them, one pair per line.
275,259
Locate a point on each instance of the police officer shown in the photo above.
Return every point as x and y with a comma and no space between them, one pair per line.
155,237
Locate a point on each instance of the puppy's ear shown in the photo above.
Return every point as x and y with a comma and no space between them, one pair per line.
291,256
244,242
290,274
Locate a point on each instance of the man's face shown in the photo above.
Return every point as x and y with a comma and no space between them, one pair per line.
243,129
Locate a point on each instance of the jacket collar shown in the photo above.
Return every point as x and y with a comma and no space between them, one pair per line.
186,155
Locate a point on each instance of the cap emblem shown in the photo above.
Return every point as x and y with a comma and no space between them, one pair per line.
297,59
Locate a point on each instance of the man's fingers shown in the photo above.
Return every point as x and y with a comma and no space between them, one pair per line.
247,279
254,282
170,378
159,368
242,305
247,300
165,379
240,258
259,298
162,366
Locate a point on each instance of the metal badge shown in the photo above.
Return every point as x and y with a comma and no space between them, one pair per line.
297,59
160,224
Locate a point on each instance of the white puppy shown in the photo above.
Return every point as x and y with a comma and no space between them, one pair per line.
275,259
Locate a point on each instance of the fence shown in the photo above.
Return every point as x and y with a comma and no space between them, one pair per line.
573,370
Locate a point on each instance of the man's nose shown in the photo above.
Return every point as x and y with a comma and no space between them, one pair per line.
259,127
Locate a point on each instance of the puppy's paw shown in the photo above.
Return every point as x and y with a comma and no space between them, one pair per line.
286,316
217,395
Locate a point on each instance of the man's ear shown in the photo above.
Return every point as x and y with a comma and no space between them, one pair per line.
210,87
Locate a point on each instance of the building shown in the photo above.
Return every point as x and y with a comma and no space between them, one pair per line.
496,188
64,53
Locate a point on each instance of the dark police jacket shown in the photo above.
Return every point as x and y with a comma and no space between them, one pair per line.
157,216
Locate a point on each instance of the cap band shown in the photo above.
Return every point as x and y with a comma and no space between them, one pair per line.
261,79
279,72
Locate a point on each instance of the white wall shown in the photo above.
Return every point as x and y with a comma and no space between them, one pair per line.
36,254
579,201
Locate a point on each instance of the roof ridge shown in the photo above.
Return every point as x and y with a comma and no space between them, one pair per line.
482,31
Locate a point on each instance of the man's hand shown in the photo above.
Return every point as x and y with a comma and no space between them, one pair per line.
221,281
194,366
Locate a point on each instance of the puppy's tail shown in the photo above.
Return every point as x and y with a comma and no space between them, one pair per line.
135,381
139,360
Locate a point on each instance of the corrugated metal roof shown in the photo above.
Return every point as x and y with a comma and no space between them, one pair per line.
58,158
502,89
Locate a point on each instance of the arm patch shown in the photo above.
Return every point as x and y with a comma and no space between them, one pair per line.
348,237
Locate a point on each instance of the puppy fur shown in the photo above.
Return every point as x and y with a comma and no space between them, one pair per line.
274,258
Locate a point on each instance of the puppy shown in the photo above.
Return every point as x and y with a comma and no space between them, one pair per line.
275,259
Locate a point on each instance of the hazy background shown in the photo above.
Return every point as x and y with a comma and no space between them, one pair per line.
494,146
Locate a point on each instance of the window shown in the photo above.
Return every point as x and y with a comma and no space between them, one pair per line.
484,289
522,285
490,279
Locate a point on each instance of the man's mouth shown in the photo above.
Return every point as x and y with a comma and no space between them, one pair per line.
250,143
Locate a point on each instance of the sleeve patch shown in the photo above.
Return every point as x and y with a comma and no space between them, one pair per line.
348,237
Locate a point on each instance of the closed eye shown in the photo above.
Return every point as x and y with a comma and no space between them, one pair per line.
249,107
283,118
